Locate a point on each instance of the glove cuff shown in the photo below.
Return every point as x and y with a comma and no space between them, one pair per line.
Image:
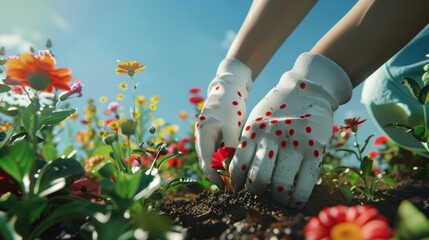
236,68
326,73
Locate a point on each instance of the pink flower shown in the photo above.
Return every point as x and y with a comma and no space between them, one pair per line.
222,158
85,188
75,88
380,140
113,107
196,99
348,223
195,90
45,53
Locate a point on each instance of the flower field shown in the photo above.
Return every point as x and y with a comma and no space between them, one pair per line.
113,172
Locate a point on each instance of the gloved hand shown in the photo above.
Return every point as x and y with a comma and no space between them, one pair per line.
283,139
223,113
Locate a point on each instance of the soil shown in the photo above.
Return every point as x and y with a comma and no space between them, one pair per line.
242,215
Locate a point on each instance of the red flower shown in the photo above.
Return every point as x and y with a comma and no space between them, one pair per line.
135,160
348,223
85,188
334,129
8,184
351,123
18,89
380,140
373,154
38,72
196,99
183,145
222,158
195,90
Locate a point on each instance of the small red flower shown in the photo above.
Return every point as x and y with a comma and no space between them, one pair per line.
380,140
85,188
136,159
345,223
373,154
222,158
183,145
196,99
195,90
351,123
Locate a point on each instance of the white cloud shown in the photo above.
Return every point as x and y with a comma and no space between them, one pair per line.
14,42
227,40
60,22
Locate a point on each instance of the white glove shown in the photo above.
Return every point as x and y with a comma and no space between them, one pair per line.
222,116
286,132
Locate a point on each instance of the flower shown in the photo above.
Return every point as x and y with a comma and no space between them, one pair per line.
76,88
152,107
182,115
195,90
128,126
154,99
129,67
380,140
85,188
38,72
222,158
183,145
113,125
123,86
120,97
112,108
196,99
351,123
373,154
158,122
103,99
348,223
140,100
18,89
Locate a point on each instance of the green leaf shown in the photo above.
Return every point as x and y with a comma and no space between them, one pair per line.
412,86
6,231
101,150
347,150
425,78
49,152
346,191
107,170
413,224
366,143
420,132
388,181
141,152
179,181
67,150
56,175
4,88
3,61
17,160
166,158
68,211
366,166
48,43
426,68
424,95
57,116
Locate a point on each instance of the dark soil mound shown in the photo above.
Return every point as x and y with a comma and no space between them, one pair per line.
226,215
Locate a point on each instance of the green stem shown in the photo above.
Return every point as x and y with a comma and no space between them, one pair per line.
129,165
34,143
134,98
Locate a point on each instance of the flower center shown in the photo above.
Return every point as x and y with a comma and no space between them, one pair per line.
346,231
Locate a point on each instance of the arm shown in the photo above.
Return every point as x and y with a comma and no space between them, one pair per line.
267,25
372,32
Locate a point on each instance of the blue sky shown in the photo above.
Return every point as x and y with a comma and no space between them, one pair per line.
181,43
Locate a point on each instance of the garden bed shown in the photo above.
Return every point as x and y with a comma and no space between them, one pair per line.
243,215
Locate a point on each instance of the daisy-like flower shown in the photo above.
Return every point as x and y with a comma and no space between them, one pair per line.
120,96
352,124
113,125
38,72
140,100
103,99
129,67
154,99
123,86
348,223
152,107
380,140
222,158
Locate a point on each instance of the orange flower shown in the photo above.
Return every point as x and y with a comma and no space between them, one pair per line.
129,67
38,72
351,123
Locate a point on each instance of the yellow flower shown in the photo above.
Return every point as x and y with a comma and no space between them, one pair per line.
158,122
154,99
152,107
113,125
129,67
140,100
6,126
136,114
171,128
200,106
101,123
120,97
103,99
150,115
101,133
123,86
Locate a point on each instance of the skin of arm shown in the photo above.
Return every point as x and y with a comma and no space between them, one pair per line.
372,32
266,26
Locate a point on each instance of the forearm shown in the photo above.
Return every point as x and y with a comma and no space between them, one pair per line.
371,33
267,25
